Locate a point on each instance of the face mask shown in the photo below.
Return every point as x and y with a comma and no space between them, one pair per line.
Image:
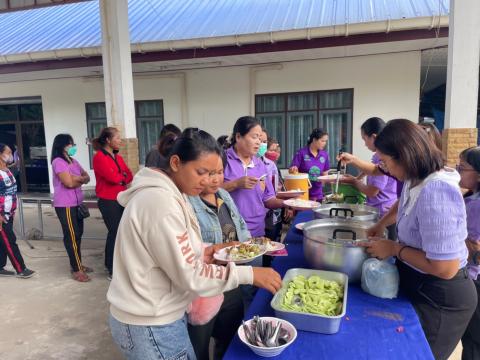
72,150
262,149
8,160
272,155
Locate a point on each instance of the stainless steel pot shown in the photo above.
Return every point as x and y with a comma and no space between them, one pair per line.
331,244
346,211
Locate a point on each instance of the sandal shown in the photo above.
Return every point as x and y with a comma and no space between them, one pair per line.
80,276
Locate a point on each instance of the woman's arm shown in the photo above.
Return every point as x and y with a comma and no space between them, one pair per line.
369,190
388,219
70,181
364,166
274,203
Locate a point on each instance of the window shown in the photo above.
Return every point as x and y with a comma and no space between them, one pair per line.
290,118
149,122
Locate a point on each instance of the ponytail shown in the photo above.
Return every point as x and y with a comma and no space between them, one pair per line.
100,141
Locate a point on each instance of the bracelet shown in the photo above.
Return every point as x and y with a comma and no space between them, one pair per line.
399,255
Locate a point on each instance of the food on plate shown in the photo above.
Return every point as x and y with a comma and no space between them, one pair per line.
263,241
301,203
313,295
335,197
243,251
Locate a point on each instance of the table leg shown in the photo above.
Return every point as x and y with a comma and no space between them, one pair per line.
21,218
40,217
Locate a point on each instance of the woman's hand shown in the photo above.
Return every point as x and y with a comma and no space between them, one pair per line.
346,158
381,248
289,214
267,278
377,230
348,179
293,170
246,182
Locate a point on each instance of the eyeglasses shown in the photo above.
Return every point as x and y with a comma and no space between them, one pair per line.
460,168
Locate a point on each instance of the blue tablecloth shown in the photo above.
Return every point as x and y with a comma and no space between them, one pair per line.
372,329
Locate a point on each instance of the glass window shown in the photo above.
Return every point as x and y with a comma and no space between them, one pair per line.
30,112
96,121
8,112
292,124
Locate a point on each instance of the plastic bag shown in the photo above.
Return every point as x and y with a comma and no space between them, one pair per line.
380,278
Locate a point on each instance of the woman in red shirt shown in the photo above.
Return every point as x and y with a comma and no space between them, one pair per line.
112,176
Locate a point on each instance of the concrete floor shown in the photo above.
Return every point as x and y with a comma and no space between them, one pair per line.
52,317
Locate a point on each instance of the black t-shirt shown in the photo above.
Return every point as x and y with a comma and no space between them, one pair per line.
229,232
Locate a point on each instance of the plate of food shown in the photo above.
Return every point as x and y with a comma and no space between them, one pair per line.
300,226
267,244
240,254
334,198
329,178
290,194
301,204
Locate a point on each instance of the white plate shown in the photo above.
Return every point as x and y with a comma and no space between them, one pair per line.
222,255
300,226
329,178
276,246
300,204
291,194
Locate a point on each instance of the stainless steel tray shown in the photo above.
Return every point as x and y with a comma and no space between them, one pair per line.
311,322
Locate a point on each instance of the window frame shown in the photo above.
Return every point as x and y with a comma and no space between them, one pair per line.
318,110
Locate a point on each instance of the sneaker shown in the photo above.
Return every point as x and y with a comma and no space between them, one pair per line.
26,273
4,272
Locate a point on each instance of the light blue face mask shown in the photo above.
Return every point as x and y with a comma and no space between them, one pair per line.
72,150
262,149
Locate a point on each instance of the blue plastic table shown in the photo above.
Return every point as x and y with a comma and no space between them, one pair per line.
372,329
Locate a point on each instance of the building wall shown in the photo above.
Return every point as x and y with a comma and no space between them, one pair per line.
384,85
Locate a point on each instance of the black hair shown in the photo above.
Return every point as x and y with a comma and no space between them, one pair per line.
169,128
472,157
58,148
101,140
410,146
372,126
223,141
316,134
243,126
189,146
3,147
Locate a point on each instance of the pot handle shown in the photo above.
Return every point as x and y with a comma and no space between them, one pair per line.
336,231
336,210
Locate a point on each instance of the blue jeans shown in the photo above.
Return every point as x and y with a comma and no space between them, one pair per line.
164,342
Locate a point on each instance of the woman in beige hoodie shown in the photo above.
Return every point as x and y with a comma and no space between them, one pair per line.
160,264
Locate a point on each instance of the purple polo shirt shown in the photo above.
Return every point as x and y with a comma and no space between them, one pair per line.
472,204
249,201
387,187
437,222
315,166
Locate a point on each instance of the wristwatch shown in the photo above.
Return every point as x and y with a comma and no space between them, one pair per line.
476,257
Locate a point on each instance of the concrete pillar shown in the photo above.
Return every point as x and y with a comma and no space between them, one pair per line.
117,74
462,78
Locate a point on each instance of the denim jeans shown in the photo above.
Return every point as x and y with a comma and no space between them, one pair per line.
163,342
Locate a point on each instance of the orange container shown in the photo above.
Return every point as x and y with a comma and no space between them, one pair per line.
298,181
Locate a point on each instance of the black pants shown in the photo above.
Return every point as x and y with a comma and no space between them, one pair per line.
9,248
444,307
471,338
112,213
72,228
222,327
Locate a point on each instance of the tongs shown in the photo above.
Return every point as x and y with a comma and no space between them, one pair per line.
339,168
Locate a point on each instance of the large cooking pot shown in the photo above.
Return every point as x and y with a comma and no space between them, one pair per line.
346,211
331,244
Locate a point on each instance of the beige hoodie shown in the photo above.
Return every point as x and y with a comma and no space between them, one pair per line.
158,268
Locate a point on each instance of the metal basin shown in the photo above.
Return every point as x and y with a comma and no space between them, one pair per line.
331,244
346,211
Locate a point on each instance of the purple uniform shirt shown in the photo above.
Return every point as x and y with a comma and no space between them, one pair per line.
387,187
63,196
315,166
436,223
472,203
250,201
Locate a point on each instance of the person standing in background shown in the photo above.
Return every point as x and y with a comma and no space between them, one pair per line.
112,176
8,205
68,178
153,158
313,159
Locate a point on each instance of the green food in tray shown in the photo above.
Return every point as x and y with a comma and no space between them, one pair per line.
313,295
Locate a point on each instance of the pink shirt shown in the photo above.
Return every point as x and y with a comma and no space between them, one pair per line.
63,196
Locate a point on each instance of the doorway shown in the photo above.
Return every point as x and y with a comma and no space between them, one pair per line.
22,129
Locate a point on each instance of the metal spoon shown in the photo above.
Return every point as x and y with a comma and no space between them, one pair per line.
272,340
283,337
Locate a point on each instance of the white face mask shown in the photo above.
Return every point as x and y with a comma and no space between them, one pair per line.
8,159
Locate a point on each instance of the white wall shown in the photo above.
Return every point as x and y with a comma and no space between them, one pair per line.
384,85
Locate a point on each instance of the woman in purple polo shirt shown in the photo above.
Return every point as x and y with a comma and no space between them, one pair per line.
431,221
469,170
313,159
246,176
